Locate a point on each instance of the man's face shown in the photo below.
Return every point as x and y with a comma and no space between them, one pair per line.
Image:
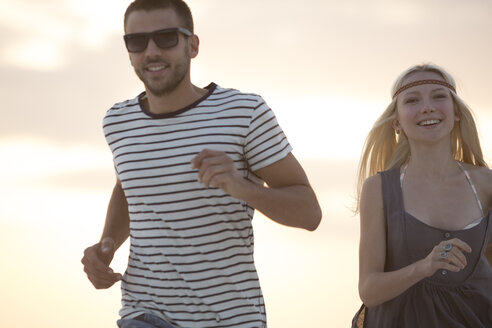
161,70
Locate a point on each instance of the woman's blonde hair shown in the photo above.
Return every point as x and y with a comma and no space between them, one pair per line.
384,149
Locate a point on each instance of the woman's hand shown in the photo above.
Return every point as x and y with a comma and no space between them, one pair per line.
448,255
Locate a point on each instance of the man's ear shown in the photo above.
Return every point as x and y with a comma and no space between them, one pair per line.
194,43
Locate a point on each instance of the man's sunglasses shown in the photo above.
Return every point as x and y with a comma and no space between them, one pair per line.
164,39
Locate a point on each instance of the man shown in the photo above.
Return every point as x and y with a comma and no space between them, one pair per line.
190,165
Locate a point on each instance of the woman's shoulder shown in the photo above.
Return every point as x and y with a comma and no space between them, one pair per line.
479,173
372,182
482,179
371,189
371,198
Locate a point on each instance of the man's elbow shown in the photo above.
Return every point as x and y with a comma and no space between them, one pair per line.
313,220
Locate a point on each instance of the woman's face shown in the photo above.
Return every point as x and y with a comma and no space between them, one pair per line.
425,112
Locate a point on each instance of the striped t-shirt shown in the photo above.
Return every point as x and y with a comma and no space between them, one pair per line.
191,254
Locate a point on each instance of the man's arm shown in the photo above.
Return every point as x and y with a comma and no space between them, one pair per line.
116,230
117,225
288,199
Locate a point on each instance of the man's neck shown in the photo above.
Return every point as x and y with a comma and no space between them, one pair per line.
174,101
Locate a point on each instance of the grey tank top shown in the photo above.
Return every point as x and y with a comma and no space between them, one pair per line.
472,185
446,299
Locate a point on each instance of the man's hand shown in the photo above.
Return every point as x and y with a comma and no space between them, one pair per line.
288,199
216,169
96,262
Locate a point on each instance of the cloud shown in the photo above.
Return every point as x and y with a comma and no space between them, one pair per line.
36,32
67,104
26,159
341,46
63,63
39,31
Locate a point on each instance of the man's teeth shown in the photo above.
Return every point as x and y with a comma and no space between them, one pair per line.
429,122
155,68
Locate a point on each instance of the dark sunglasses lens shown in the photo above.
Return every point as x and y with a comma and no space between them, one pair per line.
137,43
166,39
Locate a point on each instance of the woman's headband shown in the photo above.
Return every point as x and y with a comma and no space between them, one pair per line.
413,84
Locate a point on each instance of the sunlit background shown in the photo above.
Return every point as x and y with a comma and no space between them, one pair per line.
324,66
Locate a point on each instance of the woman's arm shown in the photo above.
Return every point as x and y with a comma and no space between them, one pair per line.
484,184
488,254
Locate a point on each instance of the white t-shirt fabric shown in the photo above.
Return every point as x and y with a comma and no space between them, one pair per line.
191,248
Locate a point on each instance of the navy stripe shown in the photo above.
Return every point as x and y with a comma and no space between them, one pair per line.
216,242
191,237
177,139
176,147
224,126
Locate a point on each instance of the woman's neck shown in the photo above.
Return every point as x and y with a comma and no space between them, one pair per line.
432,162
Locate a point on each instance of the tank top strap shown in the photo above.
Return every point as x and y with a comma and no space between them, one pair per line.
394,213
472,185
402,174
392,194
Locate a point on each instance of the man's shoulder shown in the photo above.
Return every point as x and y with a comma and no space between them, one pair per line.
125,105
233,92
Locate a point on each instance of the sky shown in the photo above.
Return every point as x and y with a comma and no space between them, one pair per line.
325,67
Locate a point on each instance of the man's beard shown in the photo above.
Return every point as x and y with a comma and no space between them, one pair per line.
177,74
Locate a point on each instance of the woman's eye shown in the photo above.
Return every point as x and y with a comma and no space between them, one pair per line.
440,96
410,100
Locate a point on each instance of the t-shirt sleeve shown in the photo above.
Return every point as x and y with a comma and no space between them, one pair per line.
266,143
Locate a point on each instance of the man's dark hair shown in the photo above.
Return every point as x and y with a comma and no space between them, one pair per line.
179,6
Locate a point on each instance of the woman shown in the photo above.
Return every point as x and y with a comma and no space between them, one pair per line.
426,226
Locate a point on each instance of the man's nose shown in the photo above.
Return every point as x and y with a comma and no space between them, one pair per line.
152,48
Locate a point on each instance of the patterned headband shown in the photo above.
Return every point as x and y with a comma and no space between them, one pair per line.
413,84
